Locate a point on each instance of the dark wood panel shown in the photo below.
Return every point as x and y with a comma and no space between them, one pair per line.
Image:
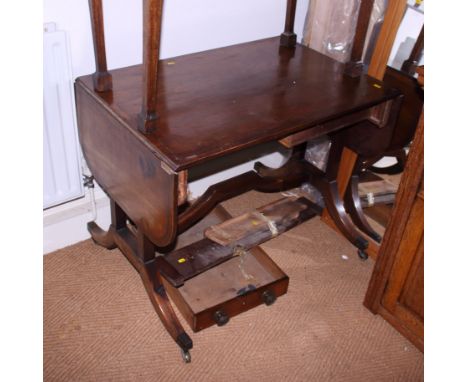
127,170
380,213
223,100
236,236
404,256
396,288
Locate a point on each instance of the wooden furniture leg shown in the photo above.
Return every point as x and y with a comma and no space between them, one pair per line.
152,19
136,249
336,210
103,238
106,238
102,79
288,37
354,67
409,66
378,64
341,164
354,208
140,252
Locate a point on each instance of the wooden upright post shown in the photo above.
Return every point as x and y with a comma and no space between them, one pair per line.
288,37
152,20
354,67
410,65
102,79
393,16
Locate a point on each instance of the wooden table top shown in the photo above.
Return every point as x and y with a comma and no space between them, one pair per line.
220,101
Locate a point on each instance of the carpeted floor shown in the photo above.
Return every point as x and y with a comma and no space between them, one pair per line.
99,324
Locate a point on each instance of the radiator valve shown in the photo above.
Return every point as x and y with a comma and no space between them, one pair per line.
88,181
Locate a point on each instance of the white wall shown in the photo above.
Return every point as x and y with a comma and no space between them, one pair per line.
406,37
188,26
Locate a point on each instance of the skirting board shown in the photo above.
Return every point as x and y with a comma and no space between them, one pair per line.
65,224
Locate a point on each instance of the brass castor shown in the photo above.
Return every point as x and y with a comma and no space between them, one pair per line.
186,356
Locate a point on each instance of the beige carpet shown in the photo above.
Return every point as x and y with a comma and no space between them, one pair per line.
100,326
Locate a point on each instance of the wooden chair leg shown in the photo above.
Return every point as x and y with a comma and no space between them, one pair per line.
354,208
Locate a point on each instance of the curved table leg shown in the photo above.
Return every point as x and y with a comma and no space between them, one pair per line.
327,184
101,237
140,252
106,239
336,209
158,296
354,208
135,250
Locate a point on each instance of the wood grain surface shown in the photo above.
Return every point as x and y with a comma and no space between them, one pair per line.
220,101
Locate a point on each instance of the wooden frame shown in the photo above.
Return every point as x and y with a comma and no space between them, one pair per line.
398,249
141,158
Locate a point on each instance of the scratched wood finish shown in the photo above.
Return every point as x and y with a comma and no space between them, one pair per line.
221,101
256,226
127,169
218,288
234,236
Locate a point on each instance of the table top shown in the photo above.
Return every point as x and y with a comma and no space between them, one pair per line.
224,100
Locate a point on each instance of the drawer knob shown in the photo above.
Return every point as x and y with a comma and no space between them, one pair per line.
268,297
220,317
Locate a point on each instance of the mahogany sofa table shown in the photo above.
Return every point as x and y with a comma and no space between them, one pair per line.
208,105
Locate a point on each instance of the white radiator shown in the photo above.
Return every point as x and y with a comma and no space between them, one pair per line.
62,157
